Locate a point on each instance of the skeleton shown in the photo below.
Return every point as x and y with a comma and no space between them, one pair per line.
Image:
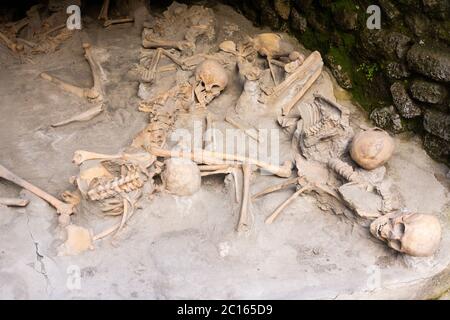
412,233
116,182
211,79
37,28
372,148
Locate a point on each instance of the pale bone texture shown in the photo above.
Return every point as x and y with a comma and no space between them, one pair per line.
181,177
372,148
78,240
244,223
412,233
211,79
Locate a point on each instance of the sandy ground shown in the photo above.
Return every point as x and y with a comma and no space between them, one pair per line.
187,247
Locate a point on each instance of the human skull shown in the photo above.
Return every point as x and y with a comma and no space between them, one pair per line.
372,148
181,177
411,233
211,78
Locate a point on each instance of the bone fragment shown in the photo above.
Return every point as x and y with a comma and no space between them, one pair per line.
110,22
84,116
227,170
244,218
275,214
96,91
14,202
277,187
61,207
287,108
313,62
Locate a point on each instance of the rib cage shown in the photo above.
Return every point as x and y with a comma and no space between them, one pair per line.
131,181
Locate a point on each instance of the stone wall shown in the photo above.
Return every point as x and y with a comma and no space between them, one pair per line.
400,74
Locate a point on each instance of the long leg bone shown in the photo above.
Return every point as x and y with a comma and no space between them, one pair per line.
281,186
62,208
202,155
14,202
244,219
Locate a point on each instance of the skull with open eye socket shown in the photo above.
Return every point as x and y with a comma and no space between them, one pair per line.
411,233
211,78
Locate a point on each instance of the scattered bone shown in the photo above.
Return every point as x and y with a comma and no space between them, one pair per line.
64,209
14,202
181,177
110,22
150,74
244,217
372,148
78,240
250,132
154,43
277,212
311,63
84,116
286,184
204,156
95,93
229,47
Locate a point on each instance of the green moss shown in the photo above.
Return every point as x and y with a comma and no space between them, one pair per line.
347,5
